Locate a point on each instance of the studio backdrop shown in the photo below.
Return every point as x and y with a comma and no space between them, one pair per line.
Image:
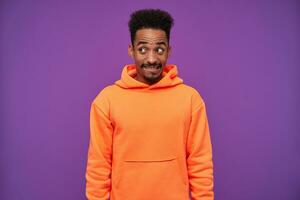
242,56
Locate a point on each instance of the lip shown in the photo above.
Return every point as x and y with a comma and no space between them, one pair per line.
152,69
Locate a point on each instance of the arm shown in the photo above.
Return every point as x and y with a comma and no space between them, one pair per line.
98,171
199,154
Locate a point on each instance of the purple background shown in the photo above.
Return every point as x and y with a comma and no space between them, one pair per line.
242,56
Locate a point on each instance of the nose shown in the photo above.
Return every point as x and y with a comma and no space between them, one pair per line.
151,58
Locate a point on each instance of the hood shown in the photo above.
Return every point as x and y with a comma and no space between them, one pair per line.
169,78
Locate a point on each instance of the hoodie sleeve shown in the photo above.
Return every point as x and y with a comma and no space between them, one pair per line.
98,170
199,153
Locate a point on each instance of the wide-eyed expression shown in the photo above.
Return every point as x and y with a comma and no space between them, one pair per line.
150,51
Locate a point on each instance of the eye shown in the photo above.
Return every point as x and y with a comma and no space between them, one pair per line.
160,51
142,50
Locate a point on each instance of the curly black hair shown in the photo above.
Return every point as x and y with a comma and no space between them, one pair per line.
150,18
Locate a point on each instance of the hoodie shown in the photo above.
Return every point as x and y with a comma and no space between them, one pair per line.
149,141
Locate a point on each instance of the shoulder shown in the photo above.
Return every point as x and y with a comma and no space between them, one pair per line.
194,94
192,91
104,95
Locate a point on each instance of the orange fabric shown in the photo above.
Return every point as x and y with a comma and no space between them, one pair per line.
149,141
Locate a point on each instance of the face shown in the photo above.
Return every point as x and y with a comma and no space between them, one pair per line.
150,51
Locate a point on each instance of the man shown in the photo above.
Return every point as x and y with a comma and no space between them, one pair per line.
149,134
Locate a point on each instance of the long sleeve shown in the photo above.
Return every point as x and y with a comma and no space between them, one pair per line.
199,154
98,171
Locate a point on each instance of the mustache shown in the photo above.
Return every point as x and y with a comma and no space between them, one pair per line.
151,65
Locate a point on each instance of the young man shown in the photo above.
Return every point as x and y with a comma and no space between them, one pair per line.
149,134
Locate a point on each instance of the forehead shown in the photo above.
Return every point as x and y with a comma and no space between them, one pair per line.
150,35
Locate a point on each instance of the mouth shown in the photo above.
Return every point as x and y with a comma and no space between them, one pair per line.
152,68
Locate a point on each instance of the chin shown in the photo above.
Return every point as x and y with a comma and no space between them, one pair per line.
153,79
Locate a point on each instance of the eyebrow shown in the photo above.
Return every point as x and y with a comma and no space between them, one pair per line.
143,42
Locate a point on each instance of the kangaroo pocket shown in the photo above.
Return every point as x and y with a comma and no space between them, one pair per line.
160,178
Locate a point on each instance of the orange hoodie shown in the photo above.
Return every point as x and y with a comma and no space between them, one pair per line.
149,142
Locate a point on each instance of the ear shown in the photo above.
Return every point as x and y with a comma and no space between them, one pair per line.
130,50
169,51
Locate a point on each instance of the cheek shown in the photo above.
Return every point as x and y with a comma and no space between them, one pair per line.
163,58
138,58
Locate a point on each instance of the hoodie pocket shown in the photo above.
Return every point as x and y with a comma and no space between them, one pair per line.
157,177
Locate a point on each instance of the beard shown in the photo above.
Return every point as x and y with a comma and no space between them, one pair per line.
152,72
154,65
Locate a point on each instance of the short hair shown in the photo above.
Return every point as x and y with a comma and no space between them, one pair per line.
150,18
